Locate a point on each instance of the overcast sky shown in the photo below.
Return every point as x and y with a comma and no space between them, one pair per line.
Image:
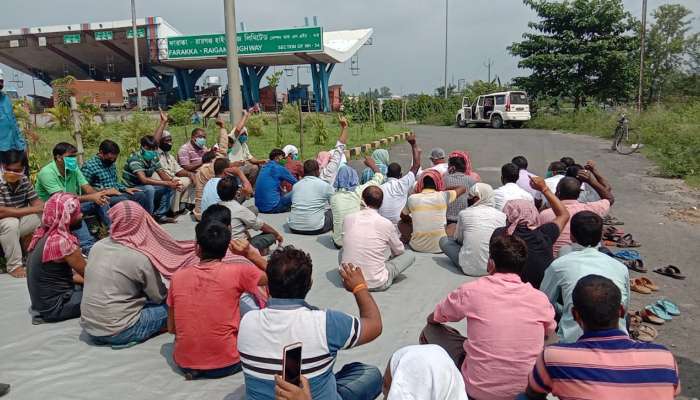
408,50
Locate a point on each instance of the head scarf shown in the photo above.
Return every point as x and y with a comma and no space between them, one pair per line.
484,192
435,175
425,372
347,178
134,228
290,150
467,162
520,212
59,211
323,158
381,157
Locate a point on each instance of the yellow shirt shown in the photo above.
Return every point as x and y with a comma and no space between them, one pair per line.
429,214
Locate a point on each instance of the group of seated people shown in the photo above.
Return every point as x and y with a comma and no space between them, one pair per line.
233,303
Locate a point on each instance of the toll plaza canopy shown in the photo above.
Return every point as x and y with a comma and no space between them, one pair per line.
104,51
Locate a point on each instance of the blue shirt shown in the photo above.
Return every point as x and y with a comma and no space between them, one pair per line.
309,199
210,196
563,274
264,333
267,185
10,136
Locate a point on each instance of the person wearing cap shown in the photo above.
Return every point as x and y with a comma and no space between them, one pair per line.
293,165
239,153
10,135
183,199
437,157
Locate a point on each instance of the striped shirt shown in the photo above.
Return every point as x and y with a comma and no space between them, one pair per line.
264,333
101,177
606,364
428,211
17,196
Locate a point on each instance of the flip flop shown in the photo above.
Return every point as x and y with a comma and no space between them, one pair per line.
635,265
627,241
647,316
669,307
612,233
648,283
610,220
659,312
637,286
644,333
634,320
670,270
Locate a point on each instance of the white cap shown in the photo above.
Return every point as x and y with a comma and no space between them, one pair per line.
166,134
243,130
290,149
2,75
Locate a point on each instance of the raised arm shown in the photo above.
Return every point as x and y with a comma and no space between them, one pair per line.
589,178
246,187
415,151
222,139
242,122
460,190
343,130
561,213
158,133
593,167
370,317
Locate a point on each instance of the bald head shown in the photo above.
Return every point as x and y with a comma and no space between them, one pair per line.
568,188
373,197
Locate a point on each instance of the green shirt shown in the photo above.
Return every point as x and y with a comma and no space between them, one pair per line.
49,181
136,163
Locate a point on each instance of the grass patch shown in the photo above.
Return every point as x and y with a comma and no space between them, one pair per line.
671,134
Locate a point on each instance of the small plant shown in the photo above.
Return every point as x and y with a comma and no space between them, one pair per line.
138,126
60,115
91,131
181,113
256,125
289,114
64,92
319,128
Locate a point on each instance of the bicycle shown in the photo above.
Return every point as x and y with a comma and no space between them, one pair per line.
626,140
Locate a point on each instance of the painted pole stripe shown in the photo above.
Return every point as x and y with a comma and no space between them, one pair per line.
211,107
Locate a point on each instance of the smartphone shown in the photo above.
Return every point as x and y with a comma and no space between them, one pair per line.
291,364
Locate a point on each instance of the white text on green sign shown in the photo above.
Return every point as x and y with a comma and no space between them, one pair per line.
71,39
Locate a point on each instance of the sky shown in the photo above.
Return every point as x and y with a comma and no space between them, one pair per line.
407,54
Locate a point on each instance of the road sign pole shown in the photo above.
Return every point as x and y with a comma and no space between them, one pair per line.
137,63
235,101
641,56
447,10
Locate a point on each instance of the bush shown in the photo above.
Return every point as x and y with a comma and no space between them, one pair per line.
133,129
289,114
60,115
318,127
181,113
255,125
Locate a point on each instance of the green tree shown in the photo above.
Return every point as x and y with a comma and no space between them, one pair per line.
580,48
384,92
273,80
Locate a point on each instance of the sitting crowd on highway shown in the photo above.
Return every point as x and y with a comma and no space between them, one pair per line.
546,312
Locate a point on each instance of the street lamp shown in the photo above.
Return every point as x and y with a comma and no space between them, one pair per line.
447,9
137,63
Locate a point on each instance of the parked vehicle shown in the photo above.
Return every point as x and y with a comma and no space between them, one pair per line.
495,109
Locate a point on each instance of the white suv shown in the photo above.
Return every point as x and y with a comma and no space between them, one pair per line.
495,109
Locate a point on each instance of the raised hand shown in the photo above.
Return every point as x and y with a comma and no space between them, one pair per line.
352,276
538,183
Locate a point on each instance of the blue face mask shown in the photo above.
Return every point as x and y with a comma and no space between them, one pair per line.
549,174
295,157
149,155
243,138
200,142
71,163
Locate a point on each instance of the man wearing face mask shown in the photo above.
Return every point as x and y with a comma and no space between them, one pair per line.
139,171
190,154
239,153
184,198
20,208
101,174
64,175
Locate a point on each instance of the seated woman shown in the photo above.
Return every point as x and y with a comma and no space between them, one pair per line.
124,295
381,158
423,372
55,263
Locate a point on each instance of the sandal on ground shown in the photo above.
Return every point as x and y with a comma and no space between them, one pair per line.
648,283
647,316
612,233
610,220
635,265
670,270
669,307
659,312
627,241
644,333
635,320
637,286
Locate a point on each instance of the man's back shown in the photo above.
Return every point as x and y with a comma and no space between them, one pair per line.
395,195
563,274
428,212
606,364
573,206
264,334
242,219
267,185
309,199
458,179
510,191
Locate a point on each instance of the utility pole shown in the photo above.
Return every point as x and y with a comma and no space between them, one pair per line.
137,63
488,66
235,101
641,56
447,13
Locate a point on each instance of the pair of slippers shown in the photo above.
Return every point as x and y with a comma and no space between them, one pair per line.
661,311
632,260
670,270
643,285
640,331
610,220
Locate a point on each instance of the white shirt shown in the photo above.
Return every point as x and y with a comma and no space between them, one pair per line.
588,194
552,182
510,191
441,168
395,196
475,225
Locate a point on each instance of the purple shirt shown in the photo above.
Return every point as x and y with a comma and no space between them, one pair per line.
189,154
524,182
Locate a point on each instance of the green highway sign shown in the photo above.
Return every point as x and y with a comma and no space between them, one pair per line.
71,39
295,40
141,33
104,35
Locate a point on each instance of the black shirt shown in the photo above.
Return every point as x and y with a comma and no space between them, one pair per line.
539,243
50,284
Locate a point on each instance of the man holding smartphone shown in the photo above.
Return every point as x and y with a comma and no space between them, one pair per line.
288,319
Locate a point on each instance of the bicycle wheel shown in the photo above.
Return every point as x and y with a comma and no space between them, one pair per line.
628,141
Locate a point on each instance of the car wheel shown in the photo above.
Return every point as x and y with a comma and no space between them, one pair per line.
496,122
516,124
461,122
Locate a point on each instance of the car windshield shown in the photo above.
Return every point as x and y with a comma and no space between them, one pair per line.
518,98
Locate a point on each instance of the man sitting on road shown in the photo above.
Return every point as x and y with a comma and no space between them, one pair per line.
190,154
555,173
138,173
289,319
101,174
204,303
568,191
561,276
293,165
604,363
242,219
397,188
524,177
437,157
63,175
239,153
369,237
222,168
507,323
589,193
510,173
310,197
20,210
456,176
124,295
184,198
269,198
55,263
